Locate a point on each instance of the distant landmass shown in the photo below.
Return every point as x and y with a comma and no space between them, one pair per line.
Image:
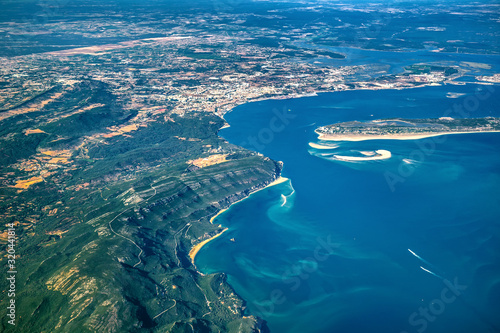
405,129
111,164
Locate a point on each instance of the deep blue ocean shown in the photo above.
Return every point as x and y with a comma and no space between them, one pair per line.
328,250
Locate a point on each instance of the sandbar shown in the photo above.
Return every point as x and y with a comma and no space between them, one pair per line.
379,155
317,146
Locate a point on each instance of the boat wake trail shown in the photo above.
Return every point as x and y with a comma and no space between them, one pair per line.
447,283
436,275
421,259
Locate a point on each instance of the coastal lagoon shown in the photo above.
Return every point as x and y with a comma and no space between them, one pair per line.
405,243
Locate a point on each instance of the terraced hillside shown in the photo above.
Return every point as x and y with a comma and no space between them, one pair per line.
107,203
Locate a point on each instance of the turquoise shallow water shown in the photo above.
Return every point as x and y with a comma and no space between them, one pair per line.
334,256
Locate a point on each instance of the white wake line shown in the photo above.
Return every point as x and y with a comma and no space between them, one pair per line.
428,271
426,262
421,259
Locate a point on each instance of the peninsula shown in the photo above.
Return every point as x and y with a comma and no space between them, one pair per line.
405,129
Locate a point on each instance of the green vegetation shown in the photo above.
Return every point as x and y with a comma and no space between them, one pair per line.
100,148
411,126
199,55
103,241
427,69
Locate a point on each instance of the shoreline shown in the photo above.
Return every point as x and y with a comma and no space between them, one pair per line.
357,138
277,181
282,179
230,107
195,249
317,92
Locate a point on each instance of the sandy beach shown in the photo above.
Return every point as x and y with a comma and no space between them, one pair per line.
194,251
329,137
218,213
197,247
278,180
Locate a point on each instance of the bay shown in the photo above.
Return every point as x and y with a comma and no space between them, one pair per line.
328,251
